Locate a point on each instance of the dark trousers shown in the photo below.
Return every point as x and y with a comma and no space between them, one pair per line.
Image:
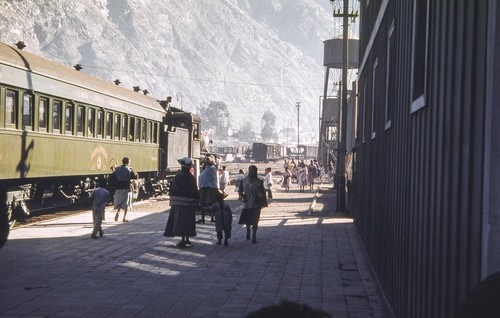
227,234
270,193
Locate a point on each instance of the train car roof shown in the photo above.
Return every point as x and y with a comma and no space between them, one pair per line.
38,74
181,113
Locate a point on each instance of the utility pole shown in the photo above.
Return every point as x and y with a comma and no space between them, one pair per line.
340,172
298,125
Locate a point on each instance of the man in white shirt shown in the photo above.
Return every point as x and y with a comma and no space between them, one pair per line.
223,180
268,183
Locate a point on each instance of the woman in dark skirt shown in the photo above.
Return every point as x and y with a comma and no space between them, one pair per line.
184,201
254,198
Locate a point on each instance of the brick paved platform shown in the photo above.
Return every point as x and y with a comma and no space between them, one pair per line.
305,253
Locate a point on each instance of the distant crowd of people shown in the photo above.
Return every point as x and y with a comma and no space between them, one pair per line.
305,175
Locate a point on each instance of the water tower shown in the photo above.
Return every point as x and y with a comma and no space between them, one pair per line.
330,114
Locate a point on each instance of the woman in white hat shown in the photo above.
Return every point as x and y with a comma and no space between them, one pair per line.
184,201
209,188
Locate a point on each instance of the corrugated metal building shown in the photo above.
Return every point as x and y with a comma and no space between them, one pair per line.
426,182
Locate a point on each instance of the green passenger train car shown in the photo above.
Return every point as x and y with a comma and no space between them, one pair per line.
62,129
56,121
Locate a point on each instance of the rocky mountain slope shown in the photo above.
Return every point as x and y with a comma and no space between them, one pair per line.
254,55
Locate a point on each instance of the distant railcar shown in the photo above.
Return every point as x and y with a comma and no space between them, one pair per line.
267,152
231,151
310,151
303,152
61,129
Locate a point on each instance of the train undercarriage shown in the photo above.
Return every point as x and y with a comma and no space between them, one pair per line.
35,198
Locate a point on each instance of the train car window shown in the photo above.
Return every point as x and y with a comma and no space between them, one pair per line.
155,133
68,124
43,113
131,129
124,127
27,111
149,132
56,116
100,123
109,125
79,120
132,132
117,128
10,109
143,131
137,136
91,122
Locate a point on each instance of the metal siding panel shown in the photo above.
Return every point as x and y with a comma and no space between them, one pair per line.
429,215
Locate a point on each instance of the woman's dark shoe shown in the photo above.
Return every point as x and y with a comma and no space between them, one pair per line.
188,242
225,242
200,221
181,244
101,233
218,242
248,234
254,240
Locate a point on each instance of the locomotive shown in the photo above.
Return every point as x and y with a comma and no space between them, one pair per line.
62,129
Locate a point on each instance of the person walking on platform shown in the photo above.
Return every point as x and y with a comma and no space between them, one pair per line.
208,186
184,201
268,182
302,176
287,179
121,180
223,180
312,173
223,219
98,199
237,182
254,199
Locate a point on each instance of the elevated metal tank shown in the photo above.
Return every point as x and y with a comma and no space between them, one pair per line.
333,52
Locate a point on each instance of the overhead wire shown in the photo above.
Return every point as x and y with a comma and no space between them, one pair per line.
200,79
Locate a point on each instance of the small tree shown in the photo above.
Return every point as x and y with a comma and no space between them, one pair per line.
246,133
268,126
215,116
